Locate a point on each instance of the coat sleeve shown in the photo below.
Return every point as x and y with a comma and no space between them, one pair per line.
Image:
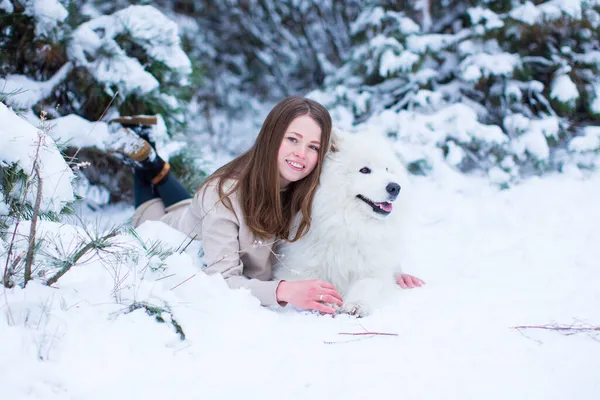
220,242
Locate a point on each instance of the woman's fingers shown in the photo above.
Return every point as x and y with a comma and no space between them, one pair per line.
414,280
326,285
406,281
322,308
401,283
334,294
323,289
331,300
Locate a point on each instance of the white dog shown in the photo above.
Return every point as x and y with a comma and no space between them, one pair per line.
353,241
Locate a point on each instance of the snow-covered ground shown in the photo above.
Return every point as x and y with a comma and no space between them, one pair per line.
492,260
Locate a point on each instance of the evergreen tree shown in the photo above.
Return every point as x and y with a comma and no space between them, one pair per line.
503,87
71,61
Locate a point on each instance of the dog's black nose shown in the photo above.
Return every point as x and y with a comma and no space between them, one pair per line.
393,189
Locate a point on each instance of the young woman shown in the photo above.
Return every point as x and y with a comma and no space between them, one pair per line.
241,210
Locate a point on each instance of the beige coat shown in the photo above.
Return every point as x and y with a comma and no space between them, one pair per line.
230,249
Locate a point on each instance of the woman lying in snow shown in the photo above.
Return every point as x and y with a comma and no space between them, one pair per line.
254,196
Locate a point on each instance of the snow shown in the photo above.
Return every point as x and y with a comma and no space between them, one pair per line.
75,131
528,13
530,134
591,57
432,42
156,33
455,154
28,92
380,41
490,19
564,89
513,91
533,143
3,211
406,25
79,132
109,64
494,256
421,133
594,98
19,142
492,260
475,66
588,141
456,121
361,102
48,14
498,176
372,17
6,6
116,68
390,63
427,99
556,8
549,11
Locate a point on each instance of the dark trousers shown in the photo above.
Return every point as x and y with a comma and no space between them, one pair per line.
170,190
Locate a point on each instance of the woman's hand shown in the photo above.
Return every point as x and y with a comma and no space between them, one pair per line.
310,295
406,281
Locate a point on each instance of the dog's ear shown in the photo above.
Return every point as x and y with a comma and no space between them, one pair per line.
336,138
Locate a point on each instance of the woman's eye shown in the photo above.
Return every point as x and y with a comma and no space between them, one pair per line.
292,139
315,148
365,170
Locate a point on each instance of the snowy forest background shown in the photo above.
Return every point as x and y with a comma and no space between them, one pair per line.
504,92
505,88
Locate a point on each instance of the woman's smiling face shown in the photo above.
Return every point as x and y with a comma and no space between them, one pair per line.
299,150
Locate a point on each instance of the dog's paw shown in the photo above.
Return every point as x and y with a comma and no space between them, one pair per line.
356,309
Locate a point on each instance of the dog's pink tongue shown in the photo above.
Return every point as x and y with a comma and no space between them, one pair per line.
387,207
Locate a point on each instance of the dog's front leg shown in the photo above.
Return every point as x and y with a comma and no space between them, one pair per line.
366,294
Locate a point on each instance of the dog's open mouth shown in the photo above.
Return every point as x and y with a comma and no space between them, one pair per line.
384,208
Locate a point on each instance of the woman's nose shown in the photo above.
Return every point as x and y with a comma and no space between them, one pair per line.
300,153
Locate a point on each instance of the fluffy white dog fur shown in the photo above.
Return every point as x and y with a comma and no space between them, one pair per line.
352,244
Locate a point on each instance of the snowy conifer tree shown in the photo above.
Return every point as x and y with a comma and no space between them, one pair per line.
251,54
79,66
504,87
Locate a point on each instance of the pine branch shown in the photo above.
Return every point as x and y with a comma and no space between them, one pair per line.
97,244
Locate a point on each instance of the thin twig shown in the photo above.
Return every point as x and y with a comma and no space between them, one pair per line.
164,277
558,328
348,341
98,120
89,133
51,343
187,245
11,318
179,284
33,226
368,333
29,259
254,245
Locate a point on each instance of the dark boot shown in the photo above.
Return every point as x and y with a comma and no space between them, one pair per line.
148,165
153,169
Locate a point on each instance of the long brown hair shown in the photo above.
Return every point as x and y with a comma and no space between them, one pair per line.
268,211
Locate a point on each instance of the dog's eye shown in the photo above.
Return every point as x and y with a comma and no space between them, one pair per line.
365,170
